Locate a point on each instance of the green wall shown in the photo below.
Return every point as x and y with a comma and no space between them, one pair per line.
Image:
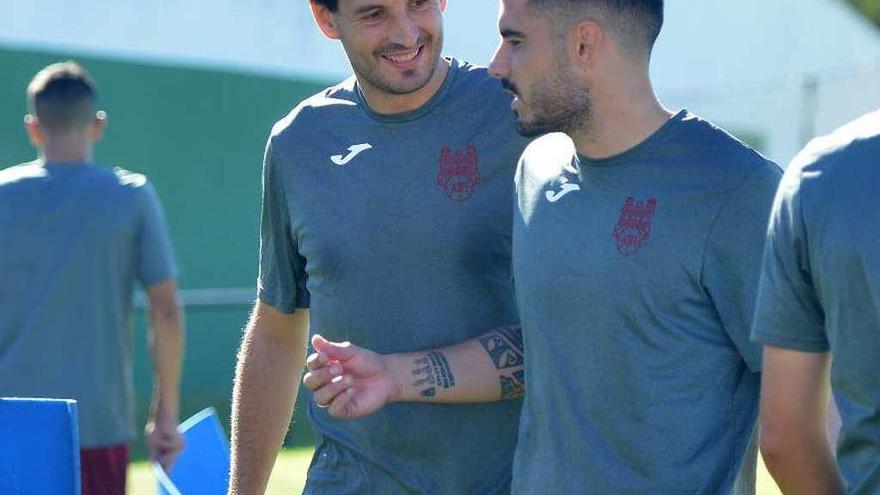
199,136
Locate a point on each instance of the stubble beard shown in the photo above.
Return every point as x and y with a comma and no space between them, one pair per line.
560,101
369,71
562,106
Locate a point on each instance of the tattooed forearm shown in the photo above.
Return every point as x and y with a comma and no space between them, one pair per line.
505,347
513,387
431,371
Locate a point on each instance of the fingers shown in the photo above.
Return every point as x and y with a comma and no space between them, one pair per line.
323,396
335,351
324,380
317,360
320,376
342,405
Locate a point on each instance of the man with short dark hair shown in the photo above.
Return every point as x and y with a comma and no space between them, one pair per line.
820,298
636,246
387,206
74,238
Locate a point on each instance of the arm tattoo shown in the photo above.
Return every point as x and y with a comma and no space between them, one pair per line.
505,348
513,387
431,371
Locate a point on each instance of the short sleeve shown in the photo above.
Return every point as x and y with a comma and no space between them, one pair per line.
155,256
788,313
282,279
732,262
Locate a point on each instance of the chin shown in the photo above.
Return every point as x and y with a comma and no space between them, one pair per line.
529,129
413,80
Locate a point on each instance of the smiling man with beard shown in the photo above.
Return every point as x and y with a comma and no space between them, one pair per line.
637,242
387,205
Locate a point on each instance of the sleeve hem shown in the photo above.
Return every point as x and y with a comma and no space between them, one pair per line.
284,306
149,282
812,346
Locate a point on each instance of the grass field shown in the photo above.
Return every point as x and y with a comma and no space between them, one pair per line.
288,476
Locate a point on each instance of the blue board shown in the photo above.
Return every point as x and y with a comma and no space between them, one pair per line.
202,468
39,447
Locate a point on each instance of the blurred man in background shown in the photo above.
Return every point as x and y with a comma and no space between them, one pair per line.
74,239
820,298
387,209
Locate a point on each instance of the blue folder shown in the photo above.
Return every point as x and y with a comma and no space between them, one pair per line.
202,468
39,447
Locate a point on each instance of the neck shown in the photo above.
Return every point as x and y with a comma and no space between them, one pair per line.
66,150
388,103
625,112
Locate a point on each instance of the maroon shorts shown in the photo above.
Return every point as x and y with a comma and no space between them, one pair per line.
103,470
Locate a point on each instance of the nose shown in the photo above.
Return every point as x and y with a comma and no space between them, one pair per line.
500,65
404,30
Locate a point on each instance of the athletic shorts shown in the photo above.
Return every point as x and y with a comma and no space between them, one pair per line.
103,470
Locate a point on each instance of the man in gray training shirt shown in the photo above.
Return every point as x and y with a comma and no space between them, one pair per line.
74,239
387,206
637,241
820,297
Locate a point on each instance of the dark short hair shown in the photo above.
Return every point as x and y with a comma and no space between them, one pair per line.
62,96
331,5
638,22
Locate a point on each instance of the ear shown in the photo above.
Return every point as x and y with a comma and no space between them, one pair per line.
325,19
586,39
442,5
35,134
99,125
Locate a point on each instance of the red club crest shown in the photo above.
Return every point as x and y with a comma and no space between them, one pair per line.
458,174
634,227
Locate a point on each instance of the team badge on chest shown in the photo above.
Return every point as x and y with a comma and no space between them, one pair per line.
458,173
633,229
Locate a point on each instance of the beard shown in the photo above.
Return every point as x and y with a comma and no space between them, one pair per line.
560,104
369,70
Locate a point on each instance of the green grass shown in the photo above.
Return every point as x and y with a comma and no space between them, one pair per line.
289,476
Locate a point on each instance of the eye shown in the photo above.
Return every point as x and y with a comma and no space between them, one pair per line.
421,3
513,42
372,15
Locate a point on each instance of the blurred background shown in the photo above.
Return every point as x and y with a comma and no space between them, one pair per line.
193,87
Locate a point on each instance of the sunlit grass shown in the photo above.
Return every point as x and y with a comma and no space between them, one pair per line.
288,476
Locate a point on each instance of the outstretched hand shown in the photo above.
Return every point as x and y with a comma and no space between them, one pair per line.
348,380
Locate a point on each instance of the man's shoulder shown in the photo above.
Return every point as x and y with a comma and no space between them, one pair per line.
328,105
863,129
553,147
127,178
473,73
99,176
733,160
857,138
474,82
19,173
547,156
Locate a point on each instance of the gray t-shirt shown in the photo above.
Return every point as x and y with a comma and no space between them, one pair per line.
635,278
820,286
395,232
73,241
